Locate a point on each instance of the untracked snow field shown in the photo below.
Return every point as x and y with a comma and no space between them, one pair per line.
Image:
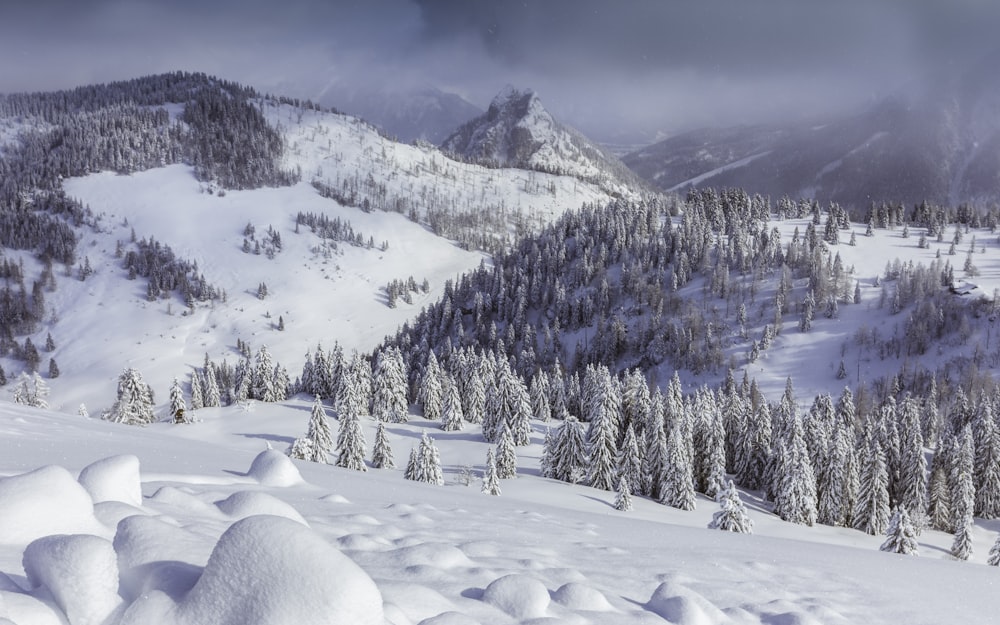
202,524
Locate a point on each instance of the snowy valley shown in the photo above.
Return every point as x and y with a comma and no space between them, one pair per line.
466,309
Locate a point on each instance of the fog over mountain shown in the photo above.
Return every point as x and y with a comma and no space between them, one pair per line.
618,72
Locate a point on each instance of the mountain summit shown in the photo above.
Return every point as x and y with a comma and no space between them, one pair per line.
518,131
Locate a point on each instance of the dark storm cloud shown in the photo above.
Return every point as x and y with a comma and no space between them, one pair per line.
629,64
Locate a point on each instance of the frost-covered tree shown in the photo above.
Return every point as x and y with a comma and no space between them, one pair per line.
987,462
732,517
318,434
197,392
31,390
389,387
961,546
912,488
506,456
431,391
539,392
836,497
301,449
602,449
491,481
871,510
211,393
962,495
994,557
629,461
134,405
452,418
351,443
177,405
568,457
262,377
655,458
623,499
426,463
901,536
677,479
382,453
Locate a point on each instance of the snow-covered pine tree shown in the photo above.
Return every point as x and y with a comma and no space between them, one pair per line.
732,517
987,462
301,449
506,455
177,405
211,393
197,393
623,499
431,391
602,447
654,460
539,392
410,472
836,500
962,495
901,536
794,479
427,466
710,457
871,510
318,434
677,479
491,482
389,387
452,418
134,405
351,443
474,400
382,453
629,461
994,557
569,458
261,377
912,488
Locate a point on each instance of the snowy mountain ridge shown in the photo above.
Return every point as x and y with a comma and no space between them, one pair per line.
518,131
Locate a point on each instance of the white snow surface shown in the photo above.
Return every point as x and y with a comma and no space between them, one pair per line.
379,549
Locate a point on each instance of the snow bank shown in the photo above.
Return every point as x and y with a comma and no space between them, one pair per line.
113,479
45,501
683,606
150,553
273,468
518,595
449,618
268,570
80,572
577,596
245,503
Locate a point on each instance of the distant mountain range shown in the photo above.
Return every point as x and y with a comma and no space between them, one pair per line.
940,144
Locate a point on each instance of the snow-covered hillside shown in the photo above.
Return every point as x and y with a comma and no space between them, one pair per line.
341,546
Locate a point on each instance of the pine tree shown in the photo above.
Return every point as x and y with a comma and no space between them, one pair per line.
351,443
451,414
539,392
431,392
53,369
602,449
301,449
569,457
677,479
177,405
901,536
262,378
733,515
491,481
319,435
962,496
912,490
410,472
961,547
506,456
836,501
135,400
382,453
389,387
211,394
871,511
629,462
654,460
994,557
197,395
623,500
987,462
426,463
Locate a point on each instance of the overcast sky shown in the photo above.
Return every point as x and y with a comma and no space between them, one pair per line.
633,64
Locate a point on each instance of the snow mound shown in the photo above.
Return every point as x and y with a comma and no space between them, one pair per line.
25,609
334,498
79,571
684,606
416,601
437,555
113,479
268,570
581,597
149,554
518,595
449,618
178,498
110,513
45,501
273,468
246,503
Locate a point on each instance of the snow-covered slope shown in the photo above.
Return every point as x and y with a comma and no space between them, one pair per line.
347,547
518,131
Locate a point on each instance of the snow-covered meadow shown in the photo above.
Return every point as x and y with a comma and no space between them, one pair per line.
105,523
